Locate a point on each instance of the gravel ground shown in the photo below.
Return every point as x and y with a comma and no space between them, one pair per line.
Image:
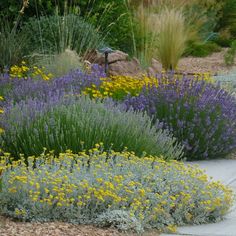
213,63
8,227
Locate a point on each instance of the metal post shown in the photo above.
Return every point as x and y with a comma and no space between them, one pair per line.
106,62
106,52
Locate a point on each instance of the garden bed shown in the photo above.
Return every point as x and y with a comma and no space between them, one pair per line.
88,152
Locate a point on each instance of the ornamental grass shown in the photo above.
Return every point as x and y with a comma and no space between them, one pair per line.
110,189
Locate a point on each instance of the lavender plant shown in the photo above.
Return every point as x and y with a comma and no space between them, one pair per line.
15,89
201,115
77,123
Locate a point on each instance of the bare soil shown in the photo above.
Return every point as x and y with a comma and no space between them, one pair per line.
9,227
213,63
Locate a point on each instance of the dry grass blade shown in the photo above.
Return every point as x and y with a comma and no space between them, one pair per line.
172,36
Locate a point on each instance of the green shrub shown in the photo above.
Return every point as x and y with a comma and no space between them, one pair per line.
10,9
113,19
230,54
110,16
54,34
111,189
68,126
202,49
224,38
12,43
228,19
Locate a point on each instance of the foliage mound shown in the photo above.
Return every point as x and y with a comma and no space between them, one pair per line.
110,189
55,34
201,115
202,49
61,64
74,121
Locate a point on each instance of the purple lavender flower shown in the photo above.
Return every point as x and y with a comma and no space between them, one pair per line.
201,115
16,90
34,96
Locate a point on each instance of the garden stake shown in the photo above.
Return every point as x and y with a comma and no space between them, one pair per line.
106,52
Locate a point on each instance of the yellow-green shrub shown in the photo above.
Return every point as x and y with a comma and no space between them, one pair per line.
110,188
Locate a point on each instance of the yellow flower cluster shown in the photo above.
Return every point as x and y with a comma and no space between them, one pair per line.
1,112
120,86
23,72
148,188
197,76
204,76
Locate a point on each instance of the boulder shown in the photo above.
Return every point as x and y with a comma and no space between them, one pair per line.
99,58
94,57
120,64
128,68
117,56
155,68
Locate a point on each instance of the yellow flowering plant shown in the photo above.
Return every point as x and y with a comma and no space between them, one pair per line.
119,87
110,188
23,71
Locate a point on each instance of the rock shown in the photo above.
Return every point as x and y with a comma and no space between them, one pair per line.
98,58
94,57
117,56
156,65
155,68
151,72
128,68
119,63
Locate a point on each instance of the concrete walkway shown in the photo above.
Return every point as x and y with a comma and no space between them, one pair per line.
225,171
